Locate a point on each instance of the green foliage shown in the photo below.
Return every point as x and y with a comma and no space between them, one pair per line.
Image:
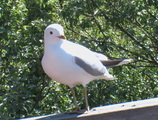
119,29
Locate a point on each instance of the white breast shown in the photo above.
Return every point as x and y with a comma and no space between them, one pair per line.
58,64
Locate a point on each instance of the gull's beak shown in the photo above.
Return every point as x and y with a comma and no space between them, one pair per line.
62,37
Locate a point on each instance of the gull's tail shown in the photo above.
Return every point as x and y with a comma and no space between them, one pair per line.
114,63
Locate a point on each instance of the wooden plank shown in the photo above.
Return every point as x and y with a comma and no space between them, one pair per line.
137,110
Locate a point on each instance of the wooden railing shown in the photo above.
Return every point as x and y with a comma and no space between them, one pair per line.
137,110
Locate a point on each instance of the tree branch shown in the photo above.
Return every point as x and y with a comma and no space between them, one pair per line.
147,53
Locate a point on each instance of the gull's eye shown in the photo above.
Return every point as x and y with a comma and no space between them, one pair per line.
51,32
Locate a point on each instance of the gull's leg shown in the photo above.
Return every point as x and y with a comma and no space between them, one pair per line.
86,98
74,99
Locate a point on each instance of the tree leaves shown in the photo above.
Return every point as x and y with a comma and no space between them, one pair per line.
119,29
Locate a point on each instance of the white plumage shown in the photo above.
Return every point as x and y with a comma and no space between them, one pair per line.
70,63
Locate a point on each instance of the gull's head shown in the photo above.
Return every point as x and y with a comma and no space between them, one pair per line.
54,33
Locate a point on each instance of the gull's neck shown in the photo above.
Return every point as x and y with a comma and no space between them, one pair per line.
52,45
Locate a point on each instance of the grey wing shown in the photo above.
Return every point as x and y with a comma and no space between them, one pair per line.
113,63
110,63
91,69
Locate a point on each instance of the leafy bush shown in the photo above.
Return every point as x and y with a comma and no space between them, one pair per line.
119,29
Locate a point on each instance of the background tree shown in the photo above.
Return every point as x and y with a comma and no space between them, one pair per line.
119,29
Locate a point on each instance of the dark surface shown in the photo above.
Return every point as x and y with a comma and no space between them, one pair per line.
136,110
149,113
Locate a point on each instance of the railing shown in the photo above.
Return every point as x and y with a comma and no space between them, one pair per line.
137,110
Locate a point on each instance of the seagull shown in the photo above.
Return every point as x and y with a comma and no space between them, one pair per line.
71,64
